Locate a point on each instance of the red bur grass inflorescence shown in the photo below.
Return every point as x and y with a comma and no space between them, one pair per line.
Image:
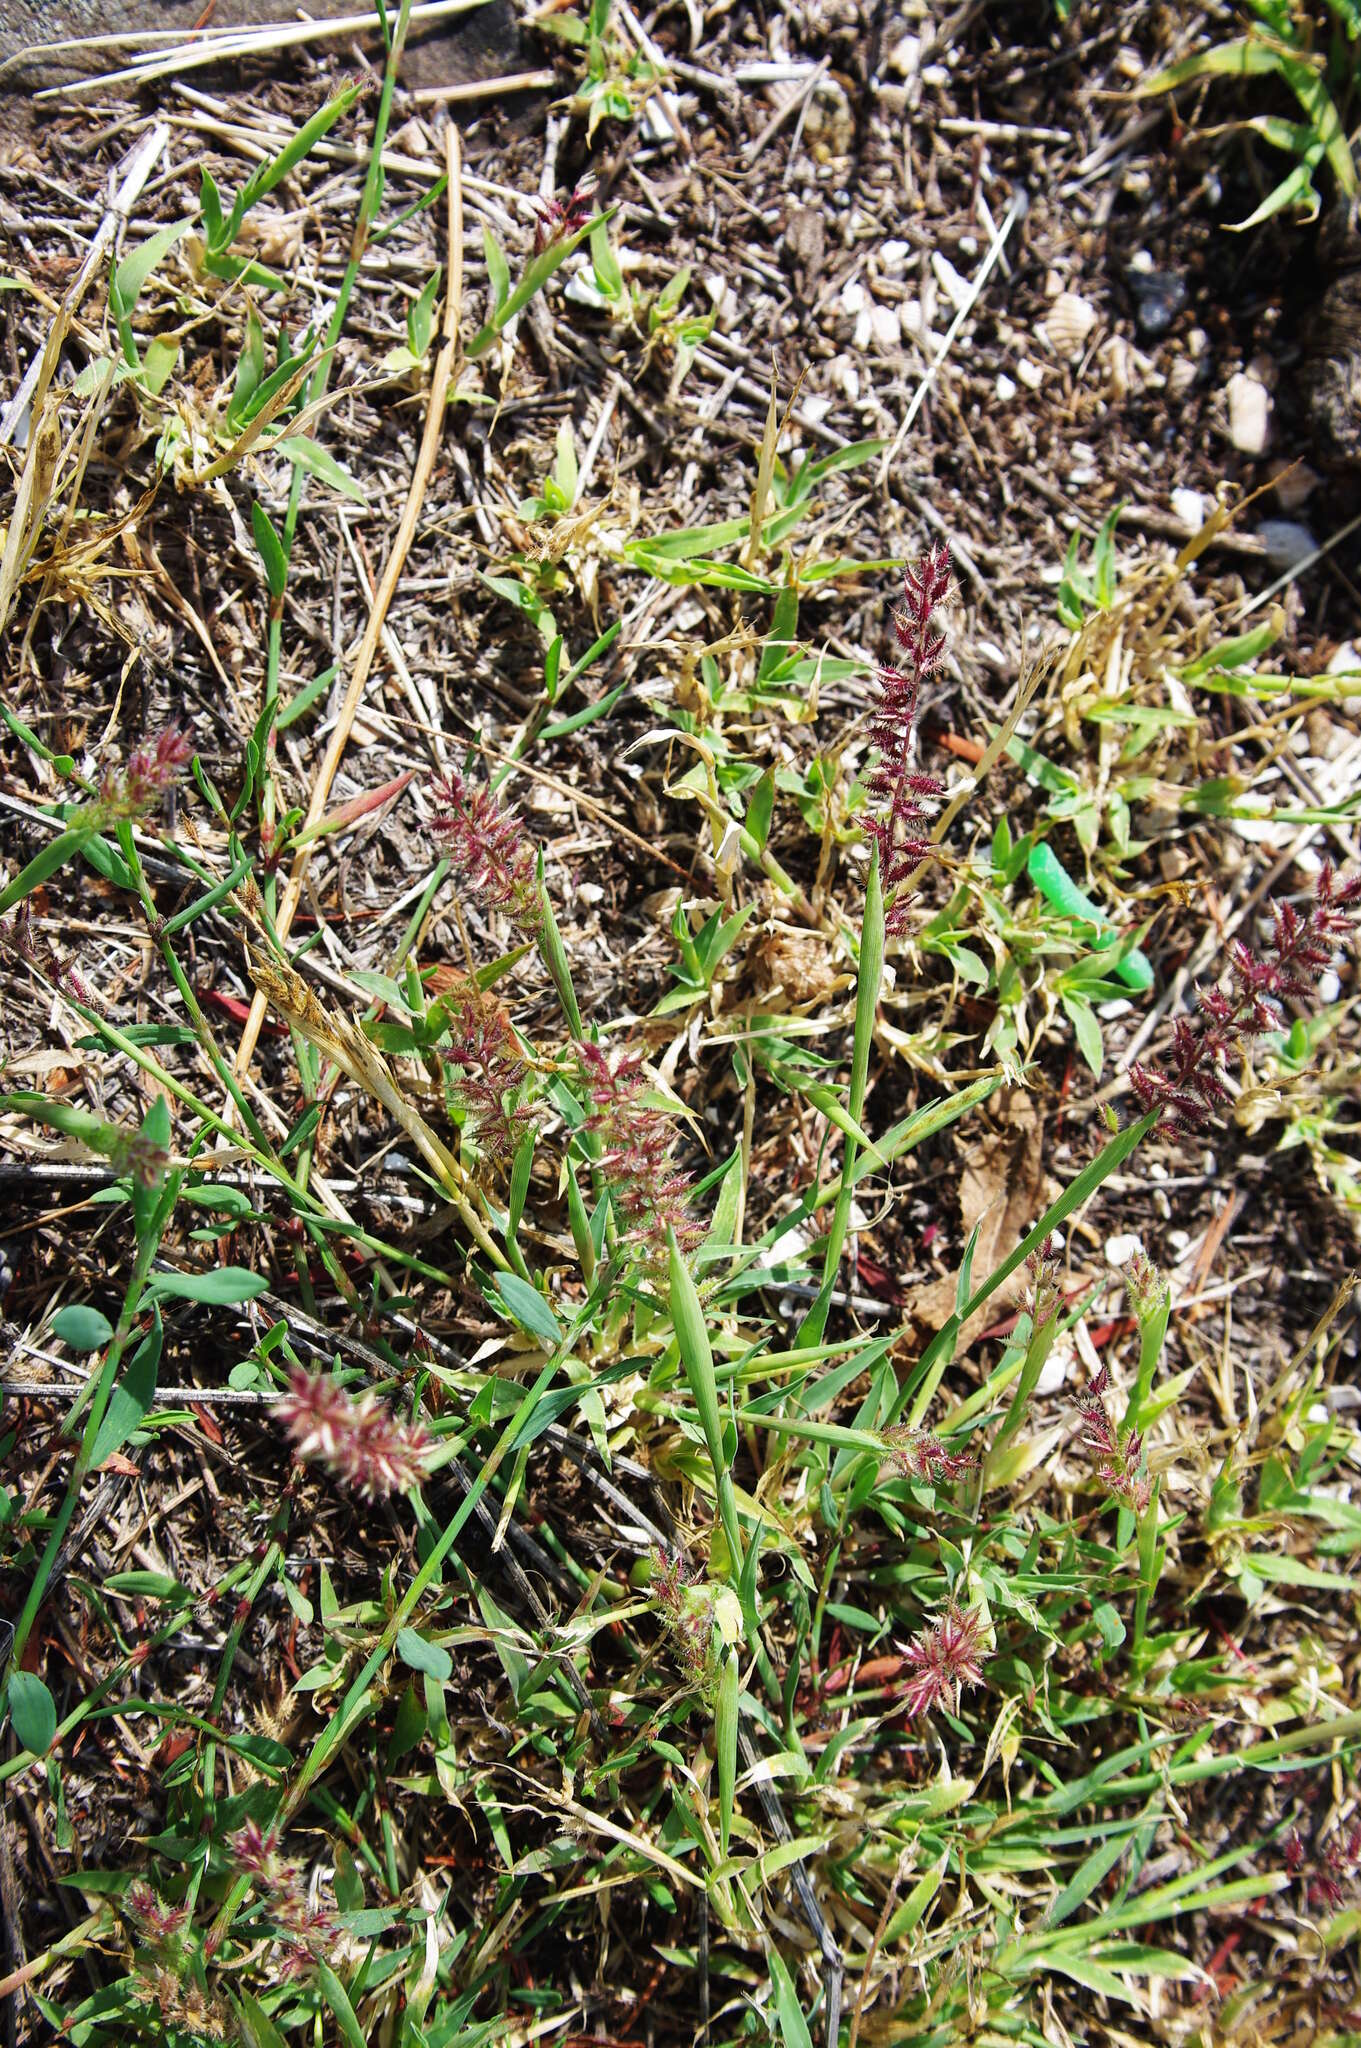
1329,1879
482,1045
486,844
303,1928
687,1612
917,1454
902,794
557,219
152,769
944,1659
19,937
648,1190
1116,1462
361,1442
1190,1086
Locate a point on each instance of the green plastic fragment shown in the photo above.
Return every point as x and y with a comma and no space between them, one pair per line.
1057,886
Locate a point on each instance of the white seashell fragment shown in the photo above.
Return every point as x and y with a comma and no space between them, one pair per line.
1068,323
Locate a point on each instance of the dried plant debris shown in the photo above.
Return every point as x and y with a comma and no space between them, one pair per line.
679,1170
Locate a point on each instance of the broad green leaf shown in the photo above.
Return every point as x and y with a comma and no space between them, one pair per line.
223,1287
336,1996
431,1658
535,276
529,1309
133,1393
271,550
133,272
81,1329
498,270
320,463
33,1711
793,2026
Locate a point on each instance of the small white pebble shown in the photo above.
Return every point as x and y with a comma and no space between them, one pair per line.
1030,374
1329,986
1005,387
891,254
957,289
853,297
1189,507
1118,1006
1249,412
884,324
1346,660
968,245
1121,1248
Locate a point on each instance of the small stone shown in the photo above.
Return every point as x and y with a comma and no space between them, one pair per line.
1030,374
884,325
1189,507
912,319
846,377
1180,378
1345,661
1126,370
1004,387
1329,986
854,297
956,288
893,253
905,56
1158,296
1295,485
1287,542
1121,1248
1249,410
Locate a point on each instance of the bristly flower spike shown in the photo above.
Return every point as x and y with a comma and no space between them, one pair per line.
944,1659
483,1047
361,1442
918,1454
1191,1084
648,1190
558,219
152,769
903,796
486,844
1116,1461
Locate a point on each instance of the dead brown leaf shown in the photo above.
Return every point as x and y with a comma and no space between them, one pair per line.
1004,1189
